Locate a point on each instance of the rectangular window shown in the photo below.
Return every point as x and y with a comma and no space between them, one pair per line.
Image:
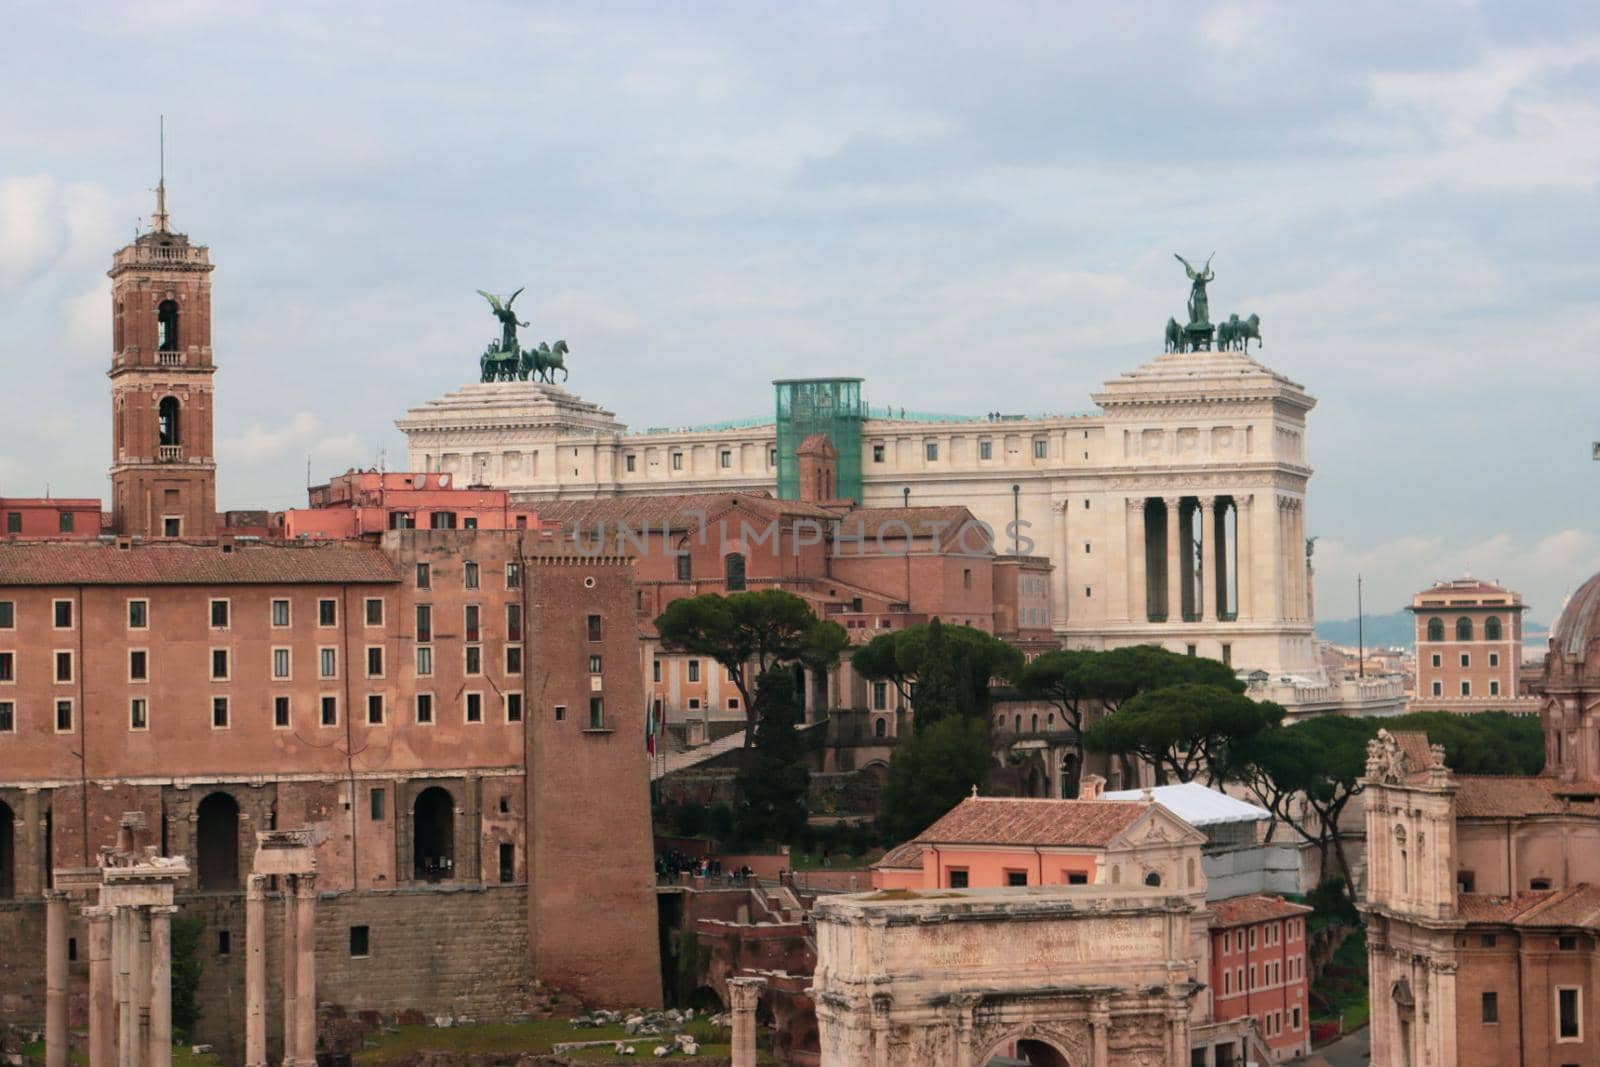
374,611
8,717
513,622
1077,878
330,711
1294,1017
877,453
1041,448
374,661
63,666
880,696
985,449
469,576
474,707
685,567
8,667
224,942
473,615
594,664
374,709
1227,655
474,659
677,461
1491,1007
280,613
1569,1009
138,614
219,614
725,457
63,614
138,666
594,627
219,713
1466,659
561,713
772,457
629,462
219,664
513,575
930,451
327,613
280,712
8,615
597,713
424,661
1466,688
508,862
424,622
328,662
514,660
377,800
138,714
280,663
513,707
694,670
424,576
13,522
1438,689
655,670
171,526
1567,943
1016,878
1494,688
425,707
360,942
957,879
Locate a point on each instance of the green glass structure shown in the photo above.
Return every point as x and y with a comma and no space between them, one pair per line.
829,406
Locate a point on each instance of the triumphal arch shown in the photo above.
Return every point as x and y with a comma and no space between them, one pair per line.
1058,976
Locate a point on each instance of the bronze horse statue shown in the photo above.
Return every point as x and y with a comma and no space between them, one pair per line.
1174,336
543,362
1237,333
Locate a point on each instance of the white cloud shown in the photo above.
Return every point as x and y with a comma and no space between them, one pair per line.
260,442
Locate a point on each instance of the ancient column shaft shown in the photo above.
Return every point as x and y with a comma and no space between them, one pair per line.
291,972
305,891
55,979
161,986
743,995
255,974
1174,560
102,1004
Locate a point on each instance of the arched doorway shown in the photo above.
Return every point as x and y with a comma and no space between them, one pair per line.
1069,776
705,1001
217,843
1031,1051
8,853
433,823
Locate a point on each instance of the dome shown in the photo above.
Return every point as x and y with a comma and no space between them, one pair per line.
1575,635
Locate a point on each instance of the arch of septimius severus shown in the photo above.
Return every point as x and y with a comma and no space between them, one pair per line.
1174,514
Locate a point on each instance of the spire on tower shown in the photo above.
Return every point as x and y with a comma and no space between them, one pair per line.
159,221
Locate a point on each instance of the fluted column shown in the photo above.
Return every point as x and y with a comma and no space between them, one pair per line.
255,972
122,949
1138,598
1174,561
1244,562
743,996
305,891
161,986
1205,581
1058,555
139,970
291,972
102,1001
55,978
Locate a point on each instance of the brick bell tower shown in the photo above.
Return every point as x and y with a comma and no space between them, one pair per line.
163,470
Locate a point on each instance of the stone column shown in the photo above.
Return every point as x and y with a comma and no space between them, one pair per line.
291,971
743,995
965,1005
255,972
1244,561
1209,572
1138,598
122,945
1100,1026
102,1005
55,978
305,891
161,985
1058,555
1174,561
139,968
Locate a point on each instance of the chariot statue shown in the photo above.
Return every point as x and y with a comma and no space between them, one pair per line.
506,361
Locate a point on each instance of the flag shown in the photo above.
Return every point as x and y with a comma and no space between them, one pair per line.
650,730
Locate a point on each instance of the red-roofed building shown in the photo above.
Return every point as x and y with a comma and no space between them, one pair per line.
34,518
1258,969
1469,647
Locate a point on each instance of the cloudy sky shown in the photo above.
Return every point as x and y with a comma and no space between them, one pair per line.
972,206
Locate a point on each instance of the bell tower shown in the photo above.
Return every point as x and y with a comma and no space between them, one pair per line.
163,469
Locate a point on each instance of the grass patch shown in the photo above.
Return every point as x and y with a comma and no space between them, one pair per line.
33,1052
540,1036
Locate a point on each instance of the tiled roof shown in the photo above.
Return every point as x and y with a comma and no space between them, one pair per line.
1575,906
98,563
923,522
1024,821
1254,908
908,855
1499,797
678,511
1414,743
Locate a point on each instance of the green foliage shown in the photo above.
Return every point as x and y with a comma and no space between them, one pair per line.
961,662
1490,742
186,930
1331,906
1185,730
932,770
689,820
720,820
758,630
773,782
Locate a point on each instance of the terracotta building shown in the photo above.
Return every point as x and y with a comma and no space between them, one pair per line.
1469,646
1258,969
454,715
1483,893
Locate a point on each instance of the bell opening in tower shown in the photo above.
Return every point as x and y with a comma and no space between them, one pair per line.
167,326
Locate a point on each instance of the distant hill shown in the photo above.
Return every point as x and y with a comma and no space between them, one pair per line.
1391,630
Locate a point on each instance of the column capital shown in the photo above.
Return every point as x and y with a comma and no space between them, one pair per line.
99,912
305,885
1136,503
1172,501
